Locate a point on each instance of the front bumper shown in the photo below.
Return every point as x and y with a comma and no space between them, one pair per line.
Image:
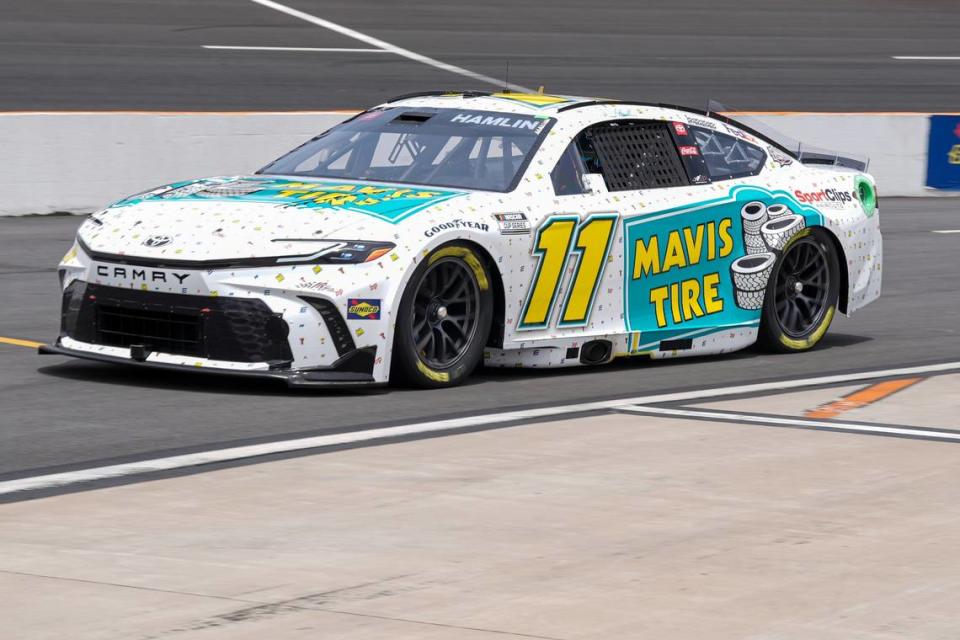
230,335
345,372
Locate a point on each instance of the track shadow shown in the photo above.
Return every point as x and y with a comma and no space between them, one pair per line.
188,381
203,382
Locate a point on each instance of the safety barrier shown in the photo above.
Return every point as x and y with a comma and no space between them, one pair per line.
79,162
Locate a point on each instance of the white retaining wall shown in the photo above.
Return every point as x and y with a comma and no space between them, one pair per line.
80,162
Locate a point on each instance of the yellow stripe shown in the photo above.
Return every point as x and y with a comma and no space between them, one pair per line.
21,343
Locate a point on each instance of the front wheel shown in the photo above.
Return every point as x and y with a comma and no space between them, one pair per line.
444,319
801,297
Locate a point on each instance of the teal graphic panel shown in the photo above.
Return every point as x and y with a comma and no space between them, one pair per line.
387,203
706,264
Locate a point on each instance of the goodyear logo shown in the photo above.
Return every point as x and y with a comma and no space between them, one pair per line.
363,309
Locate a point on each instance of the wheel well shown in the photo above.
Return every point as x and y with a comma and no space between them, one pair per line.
844,275
495,339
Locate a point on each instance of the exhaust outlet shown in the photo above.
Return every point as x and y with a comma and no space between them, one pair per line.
596,352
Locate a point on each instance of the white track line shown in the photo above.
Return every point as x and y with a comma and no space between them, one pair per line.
54,480
793,422
925,57
947,231
380,44
323,49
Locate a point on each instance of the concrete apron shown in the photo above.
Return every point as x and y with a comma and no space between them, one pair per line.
617,526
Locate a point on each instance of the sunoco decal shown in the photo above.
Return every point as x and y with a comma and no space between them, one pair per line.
363,309
387,203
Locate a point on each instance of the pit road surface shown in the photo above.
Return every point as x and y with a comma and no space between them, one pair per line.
61,414
818,55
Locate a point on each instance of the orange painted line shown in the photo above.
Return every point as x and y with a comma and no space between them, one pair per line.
21,343
862,398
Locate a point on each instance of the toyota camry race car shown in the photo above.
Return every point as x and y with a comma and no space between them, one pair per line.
436,231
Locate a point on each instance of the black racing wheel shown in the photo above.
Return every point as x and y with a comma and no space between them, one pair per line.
444,319
801,297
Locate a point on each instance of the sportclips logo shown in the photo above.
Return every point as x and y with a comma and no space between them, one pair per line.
825,195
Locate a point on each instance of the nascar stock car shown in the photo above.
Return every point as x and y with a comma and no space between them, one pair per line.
439,230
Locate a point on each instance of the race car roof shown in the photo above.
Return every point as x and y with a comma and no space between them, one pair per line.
506,101
555,105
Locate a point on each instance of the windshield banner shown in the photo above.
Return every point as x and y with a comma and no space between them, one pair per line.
387,203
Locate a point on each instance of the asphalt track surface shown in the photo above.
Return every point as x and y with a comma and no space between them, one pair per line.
817,55
59,414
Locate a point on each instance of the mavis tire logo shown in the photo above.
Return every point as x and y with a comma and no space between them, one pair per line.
157,241
824,196
363,309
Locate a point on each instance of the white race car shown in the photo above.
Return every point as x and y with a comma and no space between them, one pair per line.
436,231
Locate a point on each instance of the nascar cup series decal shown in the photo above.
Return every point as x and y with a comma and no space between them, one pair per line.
707,264
387,203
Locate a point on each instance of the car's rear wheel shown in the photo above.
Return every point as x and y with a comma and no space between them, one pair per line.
444,319
802,294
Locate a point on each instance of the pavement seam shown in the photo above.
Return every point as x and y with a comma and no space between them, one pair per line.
142,469
743,418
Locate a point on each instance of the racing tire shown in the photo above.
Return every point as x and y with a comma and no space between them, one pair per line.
802,294
444,319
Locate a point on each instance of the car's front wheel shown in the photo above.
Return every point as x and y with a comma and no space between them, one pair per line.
444,319
802,294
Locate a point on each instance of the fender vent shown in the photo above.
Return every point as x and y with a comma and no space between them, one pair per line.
676,345
336,325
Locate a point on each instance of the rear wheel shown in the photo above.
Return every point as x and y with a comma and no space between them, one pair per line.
444,319
802,294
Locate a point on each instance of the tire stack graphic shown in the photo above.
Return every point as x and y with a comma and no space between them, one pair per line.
750,274
754,215
766,230
778,231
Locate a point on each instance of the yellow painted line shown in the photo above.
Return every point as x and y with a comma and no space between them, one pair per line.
862,398
21,343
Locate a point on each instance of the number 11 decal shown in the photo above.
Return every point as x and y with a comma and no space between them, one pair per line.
556,240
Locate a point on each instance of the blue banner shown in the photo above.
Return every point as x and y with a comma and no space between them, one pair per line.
943,153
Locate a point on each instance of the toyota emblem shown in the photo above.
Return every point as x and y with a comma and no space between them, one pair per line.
157,241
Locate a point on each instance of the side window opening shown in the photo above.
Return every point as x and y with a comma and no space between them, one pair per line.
628,154
727,156
635,154
566,176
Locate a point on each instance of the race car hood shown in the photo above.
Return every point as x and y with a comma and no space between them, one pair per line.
216,219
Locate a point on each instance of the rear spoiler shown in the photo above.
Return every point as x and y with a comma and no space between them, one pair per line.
805,153
833,158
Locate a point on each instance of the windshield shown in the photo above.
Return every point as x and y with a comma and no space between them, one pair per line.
482,150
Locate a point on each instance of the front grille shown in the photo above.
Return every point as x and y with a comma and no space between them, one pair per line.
163,331
227,328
